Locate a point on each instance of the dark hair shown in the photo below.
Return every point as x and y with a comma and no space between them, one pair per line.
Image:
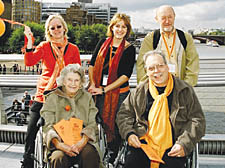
116,18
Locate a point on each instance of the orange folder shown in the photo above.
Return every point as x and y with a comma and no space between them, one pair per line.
69,130
151,153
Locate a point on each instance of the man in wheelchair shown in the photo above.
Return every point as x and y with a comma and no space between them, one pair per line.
164,114
71,100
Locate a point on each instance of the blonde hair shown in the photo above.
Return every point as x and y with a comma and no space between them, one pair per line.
50,18
116,18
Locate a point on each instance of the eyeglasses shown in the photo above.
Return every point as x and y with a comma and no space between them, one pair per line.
56,27
153,68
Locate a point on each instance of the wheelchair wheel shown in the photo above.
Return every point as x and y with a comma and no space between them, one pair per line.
120,159
192,160
39,152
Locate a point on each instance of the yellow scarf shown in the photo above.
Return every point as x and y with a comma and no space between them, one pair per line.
159,135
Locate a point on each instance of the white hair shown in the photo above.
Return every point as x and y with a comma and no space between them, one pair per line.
75,68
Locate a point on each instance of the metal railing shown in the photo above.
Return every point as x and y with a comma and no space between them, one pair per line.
212,73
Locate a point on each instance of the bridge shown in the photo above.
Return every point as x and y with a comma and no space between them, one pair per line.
220,39
203,38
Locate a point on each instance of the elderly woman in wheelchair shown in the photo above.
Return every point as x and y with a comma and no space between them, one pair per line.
70,100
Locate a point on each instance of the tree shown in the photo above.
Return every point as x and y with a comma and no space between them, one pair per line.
88,36
16,41
85,37
72,33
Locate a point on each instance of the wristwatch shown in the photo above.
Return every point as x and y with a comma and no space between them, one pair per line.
103,90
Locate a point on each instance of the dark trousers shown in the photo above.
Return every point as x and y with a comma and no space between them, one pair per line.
88,158
116,143
32,130
137,158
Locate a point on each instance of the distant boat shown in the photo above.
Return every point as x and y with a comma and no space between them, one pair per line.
212,43
215,44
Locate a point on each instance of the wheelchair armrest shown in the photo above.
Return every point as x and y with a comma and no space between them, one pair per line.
41,122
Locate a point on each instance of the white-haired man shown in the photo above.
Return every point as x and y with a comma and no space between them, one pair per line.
163,113
179,48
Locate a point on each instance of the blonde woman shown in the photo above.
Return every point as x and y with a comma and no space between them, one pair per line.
54,53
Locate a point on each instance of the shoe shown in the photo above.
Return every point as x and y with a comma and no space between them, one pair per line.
22,164
26,163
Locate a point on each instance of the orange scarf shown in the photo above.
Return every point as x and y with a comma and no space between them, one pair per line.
111,97
159,135
60,64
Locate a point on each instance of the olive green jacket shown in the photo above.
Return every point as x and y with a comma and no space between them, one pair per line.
188,60
81,105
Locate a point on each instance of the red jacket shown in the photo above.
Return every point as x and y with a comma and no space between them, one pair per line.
43,52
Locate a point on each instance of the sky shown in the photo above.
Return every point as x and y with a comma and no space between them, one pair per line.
190,14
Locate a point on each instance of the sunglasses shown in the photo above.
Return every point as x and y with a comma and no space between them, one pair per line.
56,27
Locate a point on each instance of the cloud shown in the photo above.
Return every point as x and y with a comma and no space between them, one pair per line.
136,5
189,13
201,14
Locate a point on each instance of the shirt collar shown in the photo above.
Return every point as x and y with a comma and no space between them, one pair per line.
165,34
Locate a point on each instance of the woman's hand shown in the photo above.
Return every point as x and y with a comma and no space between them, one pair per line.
95,91
29,35
91,88
66,149
80,144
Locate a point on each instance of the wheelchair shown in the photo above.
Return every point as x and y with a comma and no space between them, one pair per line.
191,162
38,157
192,159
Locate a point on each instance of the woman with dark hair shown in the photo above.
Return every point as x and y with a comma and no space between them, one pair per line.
110,69
54,53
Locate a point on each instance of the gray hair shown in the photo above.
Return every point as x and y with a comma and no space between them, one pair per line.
75,68
153,53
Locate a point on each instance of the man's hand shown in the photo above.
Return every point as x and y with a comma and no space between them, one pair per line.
177,151
133,140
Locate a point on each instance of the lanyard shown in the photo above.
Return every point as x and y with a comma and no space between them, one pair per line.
167,48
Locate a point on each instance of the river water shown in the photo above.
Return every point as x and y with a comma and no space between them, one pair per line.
210,52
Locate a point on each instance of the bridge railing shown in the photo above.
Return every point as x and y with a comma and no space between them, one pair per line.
212,73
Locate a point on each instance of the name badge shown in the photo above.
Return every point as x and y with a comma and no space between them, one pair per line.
172,68
105,79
